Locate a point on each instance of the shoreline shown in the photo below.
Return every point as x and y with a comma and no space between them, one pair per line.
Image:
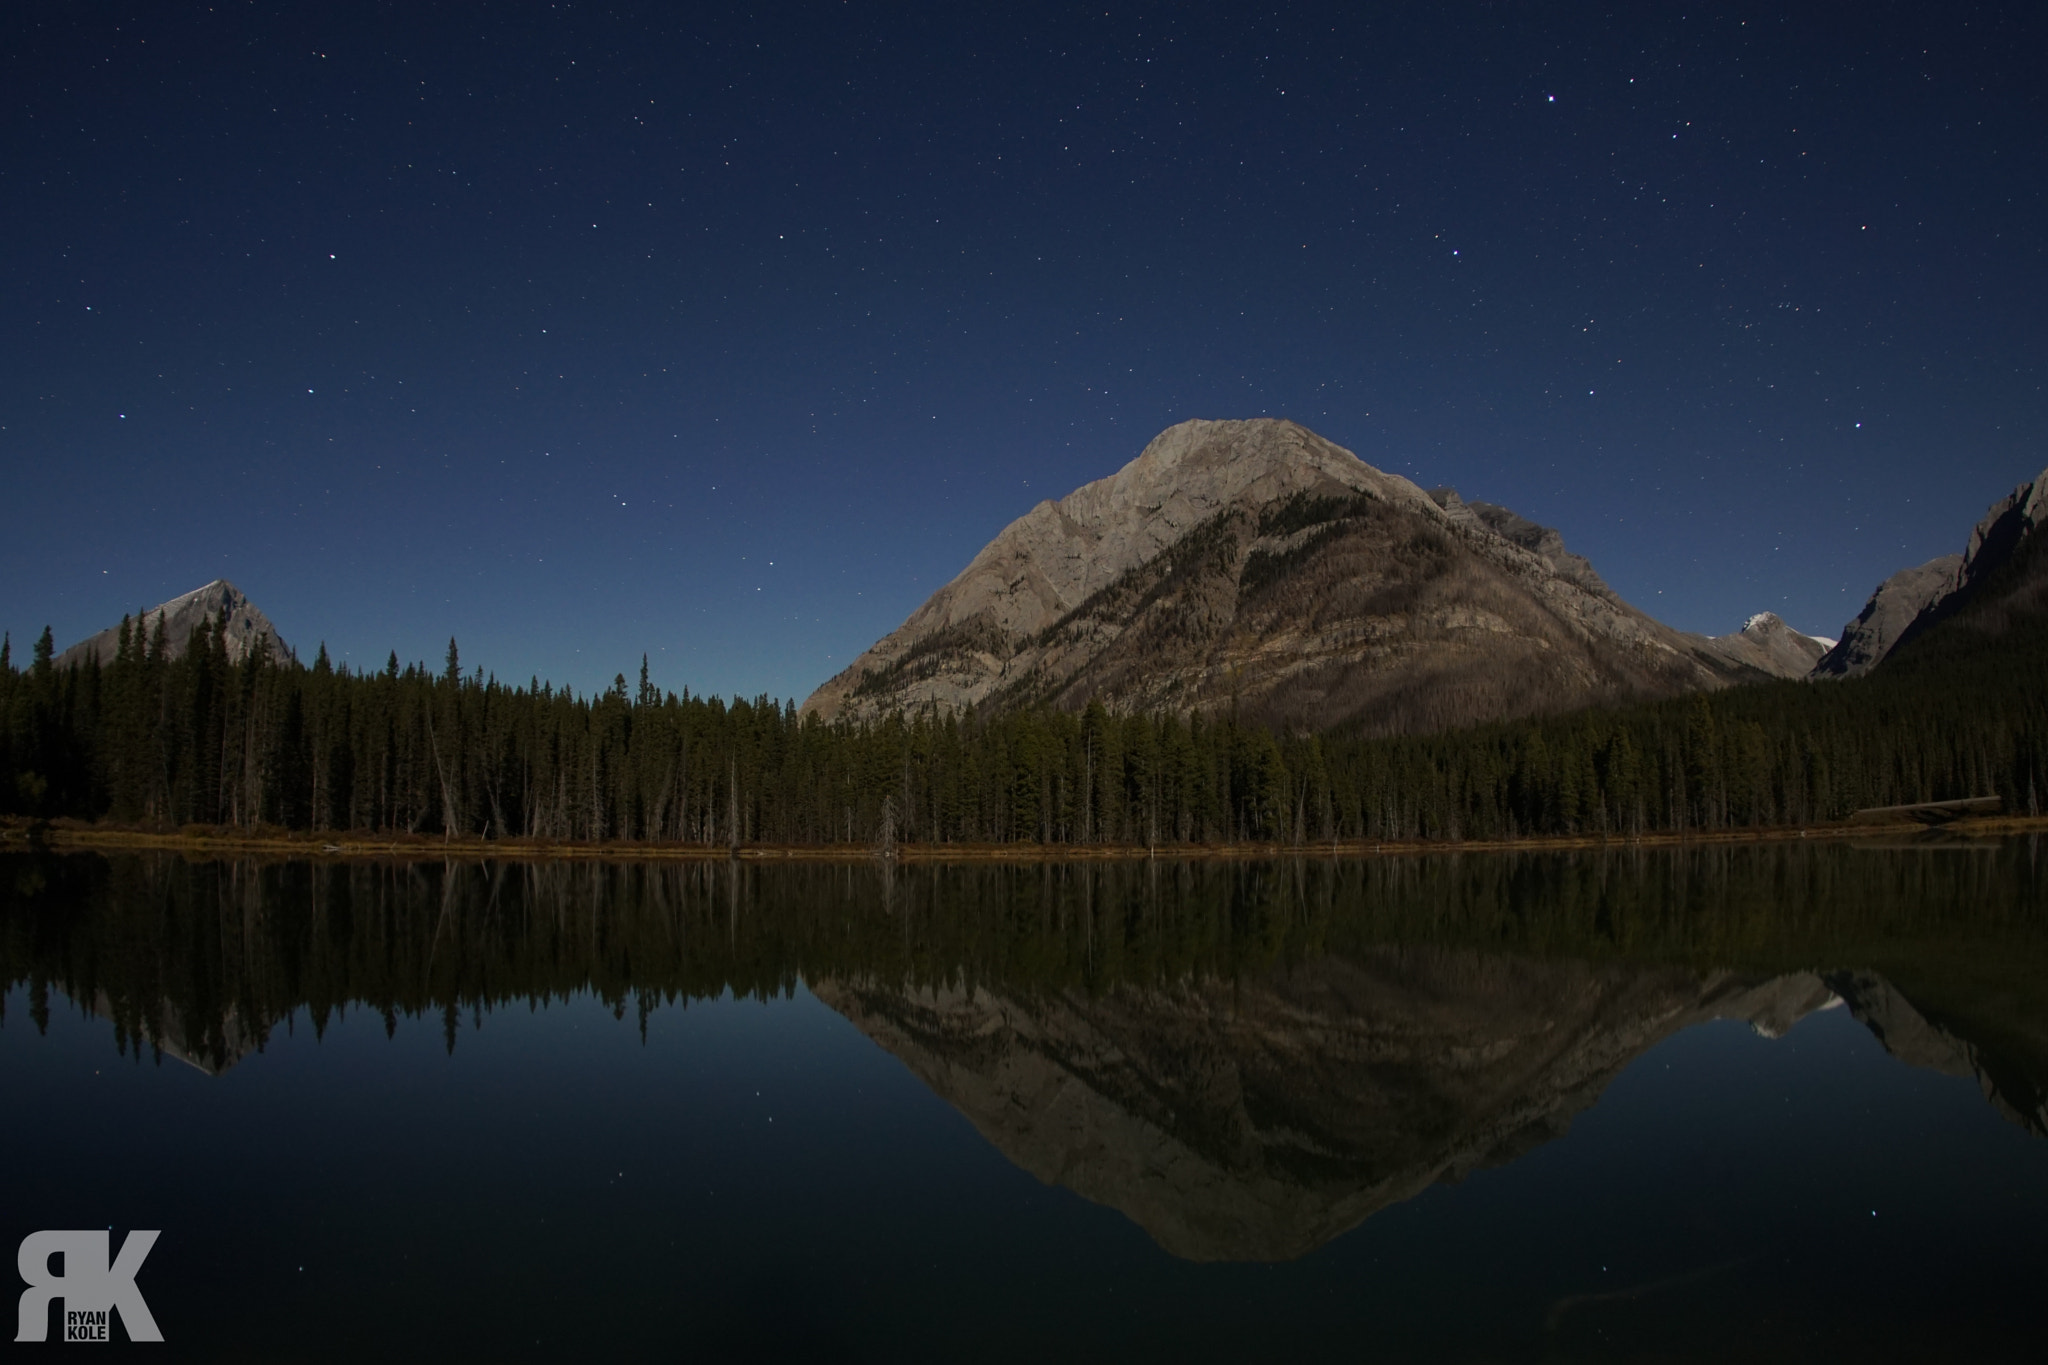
215,844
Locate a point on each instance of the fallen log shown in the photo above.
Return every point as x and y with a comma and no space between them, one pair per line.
1929,812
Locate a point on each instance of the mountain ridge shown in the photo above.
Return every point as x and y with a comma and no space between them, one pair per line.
2002,559
247,627
1256,566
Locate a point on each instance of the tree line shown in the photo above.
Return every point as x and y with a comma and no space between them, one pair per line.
198,738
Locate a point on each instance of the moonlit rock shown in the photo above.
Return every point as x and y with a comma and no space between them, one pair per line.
247,629
1253,566
1895,605
1766,644
1914,601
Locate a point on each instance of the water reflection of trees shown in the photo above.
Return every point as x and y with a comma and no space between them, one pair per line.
1245,1058
234,948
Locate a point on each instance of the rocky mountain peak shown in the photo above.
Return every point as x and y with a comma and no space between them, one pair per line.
248,628
1768,626
1766,644
1048,561
1205,464
1893,606
1256,565
1998,534
1913,601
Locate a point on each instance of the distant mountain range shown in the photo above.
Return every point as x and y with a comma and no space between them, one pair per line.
1254,565
247,627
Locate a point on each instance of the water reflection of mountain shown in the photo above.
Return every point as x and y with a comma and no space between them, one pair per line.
2008,1082
1246,1057
1256,1119
212,1046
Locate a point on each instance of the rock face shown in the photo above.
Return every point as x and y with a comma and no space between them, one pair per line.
2003,560
1255,565
1542,541
1767,644
1895,605
1997,539
2003,581
247,629
1256,1119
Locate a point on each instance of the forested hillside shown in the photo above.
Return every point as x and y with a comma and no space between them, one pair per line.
164,742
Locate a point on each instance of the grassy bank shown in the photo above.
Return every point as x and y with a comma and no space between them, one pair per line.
198,841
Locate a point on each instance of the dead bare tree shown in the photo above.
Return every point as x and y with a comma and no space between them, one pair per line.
885,837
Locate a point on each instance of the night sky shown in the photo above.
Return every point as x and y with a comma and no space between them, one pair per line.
579,332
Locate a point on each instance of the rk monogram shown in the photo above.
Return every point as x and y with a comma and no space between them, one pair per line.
91,1288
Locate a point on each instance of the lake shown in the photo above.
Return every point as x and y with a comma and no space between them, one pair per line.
1755,1102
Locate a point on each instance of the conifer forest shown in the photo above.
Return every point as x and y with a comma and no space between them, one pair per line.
169,741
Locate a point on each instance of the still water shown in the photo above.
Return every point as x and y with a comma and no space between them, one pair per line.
1748,1103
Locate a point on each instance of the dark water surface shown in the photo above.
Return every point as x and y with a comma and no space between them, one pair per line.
1758,1103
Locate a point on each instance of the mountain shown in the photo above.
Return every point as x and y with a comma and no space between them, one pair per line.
1999,581
1765,643
1768,645
248,628
1254,565
1542,541
1895,605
